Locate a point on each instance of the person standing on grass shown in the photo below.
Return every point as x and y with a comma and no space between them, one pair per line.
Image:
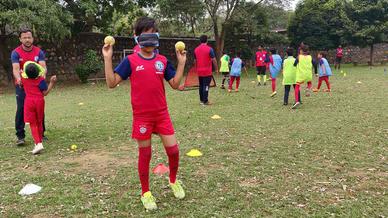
146,72
289,75
224,69
338,57
304,71
235,72
35,88
275,66
262,59
324,72
19,56
204,58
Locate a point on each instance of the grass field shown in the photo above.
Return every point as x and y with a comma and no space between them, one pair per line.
327,158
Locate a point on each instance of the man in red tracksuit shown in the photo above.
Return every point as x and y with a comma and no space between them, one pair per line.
20,55
204,58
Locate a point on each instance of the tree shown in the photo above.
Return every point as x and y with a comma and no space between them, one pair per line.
319,23
182,15
46,18
92,15
369,23
221,12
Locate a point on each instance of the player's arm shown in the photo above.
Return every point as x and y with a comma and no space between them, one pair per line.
176,80
112,79
42,62
16,68
46,90
213,57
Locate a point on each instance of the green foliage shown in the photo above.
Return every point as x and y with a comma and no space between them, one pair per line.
261,159
180,17
91,65
98,15
318,23
369,22
47,18
252,25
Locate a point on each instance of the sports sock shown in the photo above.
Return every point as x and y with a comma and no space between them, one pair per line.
273,84
35,132
144,167
173,161
297,87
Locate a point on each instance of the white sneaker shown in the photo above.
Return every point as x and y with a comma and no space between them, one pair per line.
37,149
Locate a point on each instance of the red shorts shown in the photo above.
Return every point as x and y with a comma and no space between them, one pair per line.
144,126
33,110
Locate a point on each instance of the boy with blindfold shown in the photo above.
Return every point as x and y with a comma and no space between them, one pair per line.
146,72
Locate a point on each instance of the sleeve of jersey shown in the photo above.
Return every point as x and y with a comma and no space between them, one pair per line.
14,57
169,72
212,54
42,56
43,85
124,69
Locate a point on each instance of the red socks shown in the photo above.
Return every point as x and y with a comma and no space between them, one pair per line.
309,85
273,84
296,90
324,78
144,168
37,132
237,82
173,161
145,154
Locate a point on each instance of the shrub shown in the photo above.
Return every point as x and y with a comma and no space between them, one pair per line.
92,64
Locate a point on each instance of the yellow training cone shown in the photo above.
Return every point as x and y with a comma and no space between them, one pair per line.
216,117
359,82
253,81
80,103
194,153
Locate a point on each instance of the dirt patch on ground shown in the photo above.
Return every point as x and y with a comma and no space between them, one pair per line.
250,182
95,162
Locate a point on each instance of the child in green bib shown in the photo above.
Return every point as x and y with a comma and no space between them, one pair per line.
304,72
224,69
289,74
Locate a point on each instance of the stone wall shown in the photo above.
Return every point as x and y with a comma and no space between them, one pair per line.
62,57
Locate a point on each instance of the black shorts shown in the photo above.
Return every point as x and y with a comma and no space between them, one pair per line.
225,73
338,60
261,70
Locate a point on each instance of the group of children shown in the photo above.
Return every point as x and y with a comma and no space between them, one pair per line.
147,71
296,71
231,68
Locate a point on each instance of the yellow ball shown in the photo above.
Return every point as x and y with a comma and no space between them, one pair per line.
73,147
180,46
109,40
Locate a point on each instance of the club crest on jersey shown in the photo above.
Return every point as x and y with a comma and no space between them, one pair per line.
142,129
159,66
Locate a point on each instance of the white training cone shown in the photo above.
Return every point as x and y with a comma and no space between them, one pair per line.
30,189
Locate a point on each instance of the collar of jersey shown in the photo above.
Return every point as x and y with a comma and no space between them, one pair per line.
146,58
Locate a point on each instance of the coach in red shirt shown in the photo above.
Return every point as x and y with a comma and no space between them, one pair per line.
204,58
20,55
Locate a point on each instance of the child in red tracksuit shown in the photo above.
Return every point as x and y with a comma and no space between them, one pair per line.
147,72
36,88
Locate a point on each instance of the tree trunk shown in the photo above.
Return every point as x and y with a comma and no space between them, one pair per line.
371,55
4,60
220,41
